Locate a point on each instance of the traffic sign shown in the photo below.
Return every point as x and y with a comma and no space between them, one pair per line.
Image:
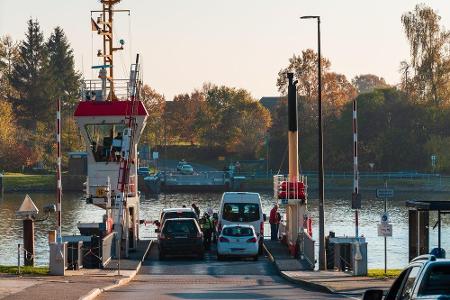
384,229
385,193
384,218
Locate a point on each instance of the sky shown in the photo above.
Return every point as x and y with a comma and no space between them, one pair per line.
238,43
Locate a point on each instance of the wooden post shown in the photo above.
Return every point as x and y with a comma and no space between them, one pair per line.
28,242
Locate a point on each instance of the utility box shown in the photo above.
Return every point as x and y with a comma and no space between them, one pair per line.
77,163
58,256
349,254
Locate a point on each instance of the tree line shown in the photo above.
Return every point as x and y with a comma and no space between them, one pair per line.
400,127
34,73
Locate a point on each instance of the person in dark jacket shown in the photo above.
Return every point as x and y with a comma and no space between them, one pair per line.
274,221
196,209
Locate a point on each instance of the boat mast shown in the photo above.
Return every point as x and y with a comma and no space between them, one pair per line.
105,20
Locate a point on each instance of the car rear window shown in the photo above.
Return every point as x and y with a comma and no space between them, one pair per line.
436,281
237,231
182,227
179,214
241,212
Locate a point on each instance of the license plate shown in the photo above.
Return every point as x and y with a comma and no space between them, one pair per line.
181,237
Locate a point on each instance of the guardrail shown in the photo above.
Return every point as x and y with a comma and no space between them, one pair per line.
377,175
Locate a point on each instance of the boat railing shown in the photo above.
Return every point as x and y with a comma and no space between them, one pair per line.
92,89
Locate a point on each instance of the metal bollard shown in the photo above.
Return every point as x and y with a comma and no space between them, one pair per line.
18,258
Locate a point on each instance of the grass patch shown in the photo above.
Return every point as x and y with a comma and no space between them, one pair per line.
24,270
29,182
379,273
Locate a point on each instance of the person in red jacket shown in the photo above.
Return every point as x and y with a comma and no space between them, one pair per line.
274,221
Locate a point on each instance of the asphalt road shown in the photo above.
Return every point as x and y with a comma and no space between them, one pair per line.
190,278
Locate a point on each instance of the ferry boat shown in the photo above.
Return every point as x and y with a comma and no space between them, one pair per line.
111,118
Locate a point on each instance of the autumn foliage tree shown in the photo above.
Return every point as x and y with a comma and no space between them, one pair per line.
336,89
429,63
155,105
366,83
34,73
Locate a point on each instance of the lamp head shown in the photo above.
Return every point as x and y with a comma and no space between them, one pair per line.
310,17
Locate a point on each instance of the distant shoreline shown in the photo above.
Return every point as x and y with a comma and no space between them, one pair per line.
74,183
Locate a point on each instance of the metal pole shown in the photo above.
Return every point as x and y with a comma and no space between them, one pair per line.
385,239
355,167
292,209
322,257
439,233
18,258
418,233
1,186
118,261
267,155
58,173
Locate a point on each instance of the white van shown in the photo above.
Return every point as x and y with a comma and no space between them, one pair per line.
242,208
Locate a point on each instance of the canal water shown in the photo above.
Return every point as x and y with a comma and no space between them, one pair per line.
338,215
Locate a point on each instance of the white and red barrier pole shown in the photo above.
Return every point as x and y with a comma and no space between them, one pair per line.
355,166
58,173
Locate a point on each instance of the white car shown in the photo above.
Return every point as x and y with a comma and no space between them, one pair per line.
237,240
187,169
242,208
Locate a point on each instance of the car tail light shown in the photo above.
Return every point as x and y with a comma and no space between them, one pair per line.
223,240
261,228
252,240
162,236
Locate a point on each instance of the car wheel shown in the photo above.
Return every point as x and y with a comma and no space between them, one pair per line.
255,258
201,255
161,256
220,257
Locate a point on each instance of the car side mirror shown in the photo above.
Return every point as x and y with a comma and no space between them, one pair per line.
373,295
157,230
264,217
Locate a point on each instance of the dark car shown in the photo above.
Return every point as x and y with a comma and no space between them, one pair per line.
181,236
426,277
175,213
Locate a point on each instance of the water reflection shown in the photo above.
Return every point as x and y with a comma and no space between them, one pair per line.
339,218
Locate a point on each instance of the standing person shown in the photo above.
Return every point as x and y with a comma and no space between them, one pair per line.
278,225
274,223
237,166
196,209
207,231
215,221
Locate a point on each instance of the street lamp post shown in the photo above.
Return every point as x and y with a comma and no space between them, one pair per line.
322,257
